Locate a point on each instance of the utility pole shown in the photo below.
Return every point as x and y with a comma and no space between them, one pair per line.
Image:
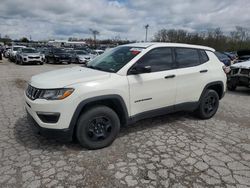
94,33
146,37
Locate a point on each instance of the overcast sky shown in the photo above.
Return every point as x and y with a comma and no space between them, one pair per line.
60,19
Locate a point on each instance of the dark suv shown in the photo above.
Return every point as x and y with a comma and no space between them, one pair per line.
57,55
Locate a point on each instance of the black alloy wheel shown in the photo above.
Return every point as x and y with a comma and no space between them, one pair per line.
97,127
209,104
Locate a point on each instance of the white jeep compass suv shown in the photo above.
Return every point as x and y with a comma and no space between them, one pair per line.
124,85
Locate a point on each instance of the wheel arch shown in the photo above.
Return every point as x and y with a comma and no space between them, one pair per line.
217,86
115,102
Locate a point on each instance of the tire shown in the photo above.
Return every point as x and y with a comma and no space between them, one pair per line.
41,63
91,131
209,104
231,86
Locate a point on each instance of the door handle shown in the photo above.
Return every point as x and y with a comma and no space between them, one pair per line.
204,71
170,76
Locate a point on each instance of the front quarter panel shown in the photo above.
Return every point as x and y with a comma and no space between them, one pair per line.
114,85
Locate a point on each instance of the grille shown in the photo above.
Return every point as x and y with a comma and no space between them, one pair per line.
34,57
245,71
33,93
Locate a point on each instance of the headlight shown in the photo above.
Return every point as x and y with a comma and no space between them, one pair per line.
56,94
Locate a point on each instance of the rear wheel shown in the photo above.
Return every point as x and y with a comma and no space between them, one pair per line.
97,127
208,105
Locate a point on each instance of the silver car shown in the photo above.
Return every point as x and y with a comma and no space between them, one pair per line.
29,56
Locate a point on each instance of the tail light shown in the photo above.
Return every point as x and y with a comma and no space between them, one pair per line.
226,69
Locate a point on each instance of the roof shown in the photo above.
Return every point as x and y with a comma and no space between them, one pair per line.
168,44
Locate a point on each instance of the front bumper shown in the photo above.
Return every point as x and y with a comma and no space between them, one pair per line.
60,127
32,60
64,135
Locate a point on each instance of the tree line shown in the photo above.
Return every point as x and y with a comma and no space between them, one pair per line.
238,39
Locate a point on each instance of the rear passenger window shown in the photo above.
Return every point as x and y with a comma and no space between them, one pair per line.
204,57
186,57
159,59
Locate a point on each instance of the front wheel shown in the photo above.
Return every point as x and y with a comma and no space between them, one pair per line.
209,104
97,127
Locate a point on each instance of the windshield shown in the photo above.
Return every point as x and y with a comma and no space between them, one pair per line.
29,50
59,50
81,52
16,48
114,60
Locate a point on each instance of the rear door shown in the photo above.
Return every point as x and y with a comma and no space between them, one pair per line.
157,89
192,74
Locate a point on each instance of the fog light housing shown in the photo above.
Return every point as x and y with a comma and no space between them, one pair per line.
48,117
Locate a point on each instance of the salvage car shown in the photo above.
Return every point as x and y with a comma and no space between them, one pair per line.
239,75
58,55
243,55
28,56
122,86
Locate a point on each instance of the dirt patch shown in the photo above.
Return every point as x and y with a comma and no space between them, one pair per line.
20,83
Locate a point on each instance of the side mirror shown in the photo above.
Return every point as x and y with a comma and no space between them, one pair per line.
140,69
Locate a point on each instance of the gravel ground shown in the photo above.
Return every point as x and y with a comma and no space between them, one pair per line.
176,150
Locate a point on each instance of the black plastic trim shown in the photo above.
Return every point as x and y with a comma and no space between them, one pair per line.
64,135
96,99
213,84
48,117
189,106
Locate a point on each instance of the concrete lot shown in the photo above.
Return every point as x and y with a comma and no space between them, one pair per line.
171,151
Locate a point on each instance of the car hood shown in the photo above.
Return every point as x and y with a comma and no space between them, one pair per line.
30,54
245,65
67,76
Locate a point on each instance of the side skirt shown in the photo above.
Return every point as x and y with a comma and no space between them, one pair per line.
189,107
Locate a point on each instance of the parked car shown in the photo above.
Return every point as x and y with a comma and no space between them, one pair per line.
57,55
82,56
126,84
233,57
6,52
97,52
72,55
239,75
243,55
13,51
29,56
44,52
223,58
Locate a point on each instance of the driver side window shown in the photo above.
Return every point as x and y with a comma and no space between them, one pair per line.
159,59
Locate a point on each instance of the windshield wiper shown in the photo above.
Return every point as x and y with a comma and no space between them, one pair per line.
98,68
